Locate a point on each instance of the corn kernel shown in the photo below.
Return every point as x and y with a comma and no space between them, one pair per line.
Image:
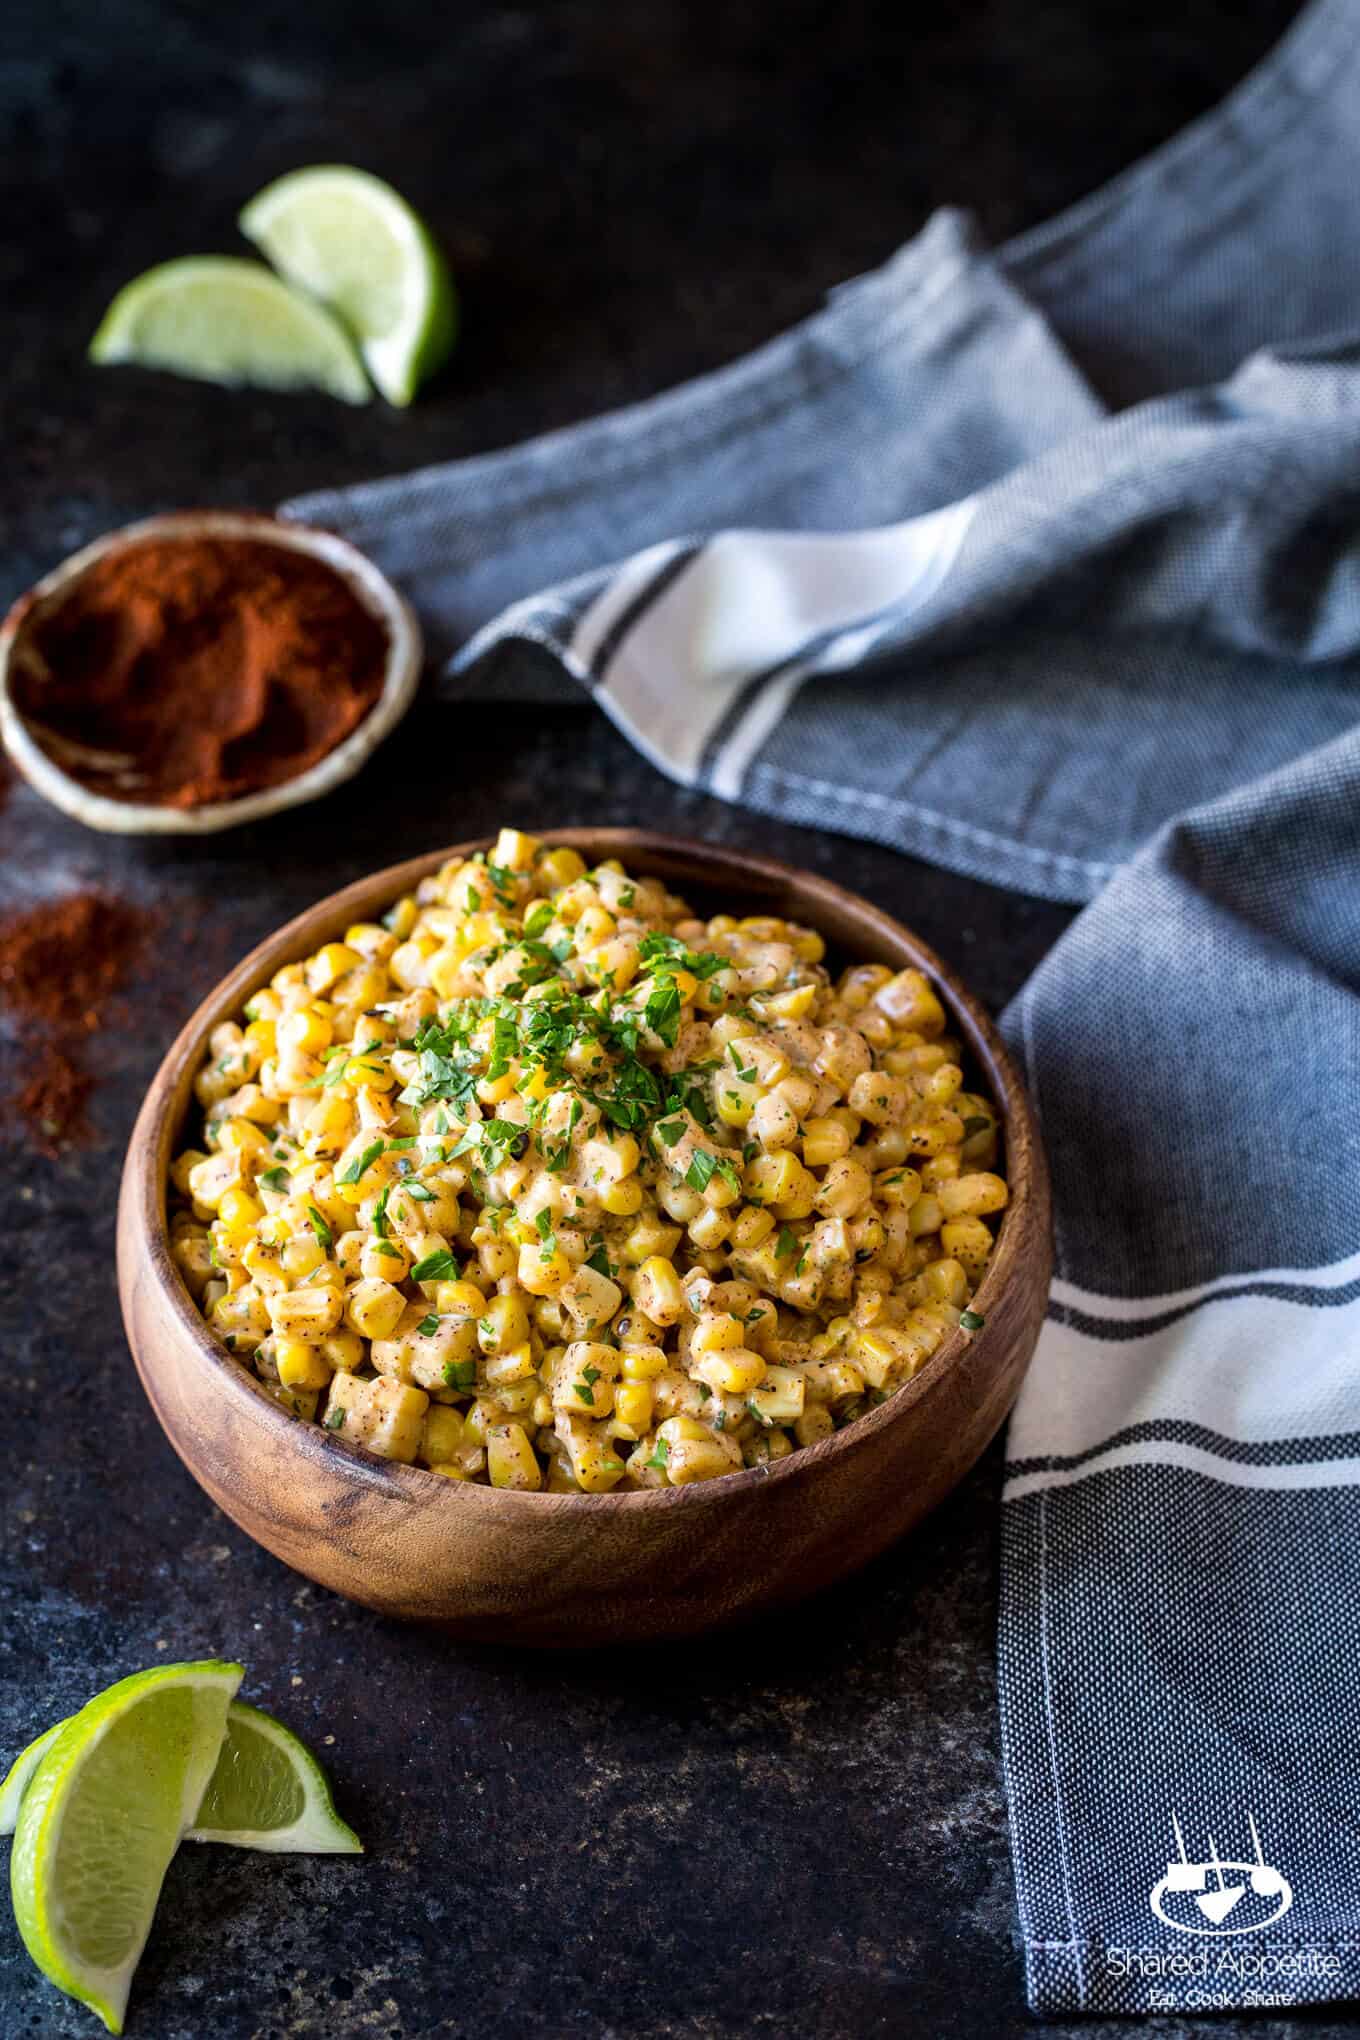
754,1225
300,1365
459,1299
909,1001
543,1270
945,1282
503,1324
374,1309
333,961
307,1312
305,1030
394,1419
511,1460
779,1399
621,1199
733,1372
238,1210
633,1405
780,1181
561,868
967,1241
384,1260
657,1291
815,1423
643,1363
718,1332
515,1363
442,1434
972,1196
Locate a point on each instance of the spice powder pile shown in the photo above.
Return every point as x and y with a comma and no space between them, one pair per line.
60,962
190,670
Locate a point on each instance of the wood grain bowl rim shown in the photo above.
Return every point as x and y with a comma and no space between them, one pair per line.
384,602
673,858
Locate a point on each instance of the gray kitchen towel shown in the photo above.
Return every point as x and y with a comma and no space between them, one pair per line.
1044,565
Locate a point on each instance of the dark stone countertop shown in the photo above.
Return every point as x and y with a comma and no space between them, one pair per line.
798,1828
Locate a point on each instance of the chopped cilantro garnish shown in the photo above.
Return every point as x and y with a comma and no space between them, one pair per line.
558,1153
537,919
493,1140
436,1267
662,1011
320,1228
661,1452
971,1321
670,1131
355,1169
428,1326
460,1374
699,1174
671,952
599,1260
274,1179
336,1419
786,1244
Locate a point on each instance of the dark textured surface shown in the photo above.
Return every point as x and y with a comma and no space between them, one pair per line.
797,1829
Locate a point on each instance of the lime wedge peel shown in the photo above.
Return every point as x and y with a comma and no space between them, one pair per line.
105,1809
352,241
20,1772
269,1792
222,319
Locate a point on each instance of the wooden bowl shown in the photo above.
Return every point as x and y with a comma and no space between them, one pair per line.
582,1569
401,676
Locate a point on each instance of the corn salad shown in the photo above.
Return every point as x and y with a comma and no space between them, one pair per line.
542,1181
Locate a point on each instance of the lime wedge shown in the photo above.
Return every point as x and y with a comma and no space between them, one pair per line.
269,1792
17,1777
103,1814
224,320
351,240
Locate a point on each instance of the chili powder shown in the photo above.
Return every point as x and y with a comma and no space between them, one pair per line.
204,668
60,962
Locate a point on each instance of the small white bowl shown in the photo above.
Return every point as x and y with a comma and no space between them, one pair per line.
136,818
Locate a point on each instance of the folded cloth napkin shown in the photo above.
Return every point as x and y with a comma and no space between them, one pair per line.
1043,565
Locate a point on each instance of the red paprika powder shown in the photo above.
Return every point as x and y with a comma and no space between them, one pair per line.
205,668
60,963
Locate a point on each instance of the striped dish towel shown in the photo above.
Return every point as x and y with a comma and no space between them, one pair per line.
1043,564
